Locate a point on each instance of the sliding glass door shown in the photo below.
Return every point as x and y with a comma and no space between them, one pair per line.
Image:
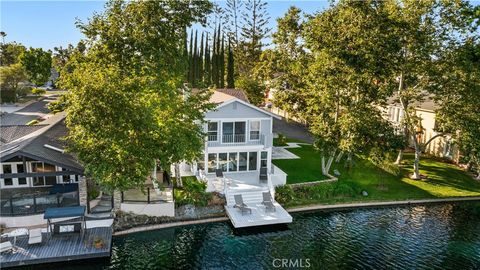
233,132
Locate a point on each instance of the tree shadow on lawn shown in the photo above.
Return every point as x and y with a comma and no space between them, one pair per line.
443,179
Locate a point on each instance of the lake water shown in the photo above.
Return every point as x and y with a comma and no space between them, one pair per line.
443,236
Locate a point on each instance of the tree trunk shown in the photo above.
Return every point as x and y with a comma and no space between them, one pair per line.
348,162
323,165
177,175
399,157
339,156
416,163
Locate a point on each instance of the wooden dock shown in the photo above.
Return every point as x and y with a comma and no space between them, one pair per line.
58,248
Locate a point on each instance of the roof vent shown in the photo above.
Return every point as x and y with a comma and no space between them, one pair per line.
234,105
54,148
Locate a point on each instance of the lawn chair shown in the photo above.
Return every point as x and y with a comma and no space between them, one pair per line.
263,175
240,204
35,236
6,247
267,201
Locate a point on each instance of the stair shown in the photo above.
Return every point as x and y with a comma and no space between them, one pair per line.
103,206
249,197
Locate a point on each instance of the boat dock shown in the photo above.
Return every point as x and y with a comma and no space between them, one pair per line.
58,248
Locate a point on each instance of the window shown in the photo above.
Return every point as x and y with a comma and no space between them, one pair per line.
254,130
7,168
233,132
232,162
222,161
264,159
212,131
242,161
40,167
252,161
21,180
212,162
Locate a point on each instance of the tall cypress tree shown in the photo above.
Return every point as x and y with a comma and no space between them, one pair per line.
195,61
222,64
200,62
217,59
185,54
208,67
230,68
214,61
190,60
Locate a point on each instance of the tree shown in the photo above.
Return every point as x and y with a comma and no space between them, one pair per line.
233,10
37,64
230,68
222,64
126,108
9,53
208,65
254,29
61,56
347,77
10,79
458,111
284,66
423,30
253,89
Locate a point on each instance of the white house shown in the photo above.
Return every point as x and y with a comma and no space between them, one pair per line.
239,141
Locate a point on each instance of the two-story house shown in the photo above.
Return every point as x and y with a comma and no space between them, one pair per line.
441,146
239,141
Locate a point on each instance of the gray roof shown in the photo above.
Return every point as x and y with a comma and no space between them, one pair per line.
33,145
13,132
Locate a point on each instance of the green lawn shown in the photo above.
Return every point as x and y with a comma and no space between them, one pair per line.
444,180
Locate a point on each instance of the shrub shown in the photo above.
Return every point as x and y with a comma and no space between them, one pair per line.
38,91
33,122
284,194
192,192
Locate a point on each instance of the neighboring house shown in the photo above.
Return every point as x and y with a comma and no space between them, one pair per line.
239,137
36,173
442,146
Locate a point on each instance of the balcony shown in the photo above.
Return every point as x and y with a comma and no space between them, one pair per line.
235,140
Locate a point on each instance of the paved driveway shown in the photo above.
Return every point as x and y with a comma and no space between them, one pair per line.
27,114
292,130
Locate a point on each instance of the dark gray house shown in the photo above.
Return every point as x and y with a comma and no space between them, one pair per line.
36,173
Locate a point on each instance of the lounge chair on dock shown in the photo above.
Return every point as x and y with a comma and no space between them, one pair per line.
6,247
35,236
240,204
267,201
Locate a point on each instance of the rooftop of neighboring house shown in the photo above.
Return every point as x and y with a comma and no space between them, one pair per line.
40,142
427,104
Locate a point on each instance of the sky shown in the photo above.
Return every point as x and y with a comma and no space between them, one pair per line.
49,24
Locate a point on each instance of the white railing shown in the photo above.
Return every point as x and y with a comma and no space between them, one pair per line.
235,140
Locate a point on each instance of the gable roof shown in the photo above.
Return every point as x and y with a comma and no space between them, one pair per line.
249,105
34,144
12,132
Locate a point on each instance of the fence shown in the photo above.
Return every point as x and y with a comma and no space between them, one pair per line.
149,195
36,204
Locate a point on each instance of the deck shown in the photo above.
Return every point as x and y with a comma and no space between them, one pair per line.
259,216
59,248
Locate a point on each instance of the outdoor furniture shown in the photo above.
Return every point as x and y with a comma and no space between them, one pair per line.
6,247
219,173
240,204
35,236
267,201
263,175
64,212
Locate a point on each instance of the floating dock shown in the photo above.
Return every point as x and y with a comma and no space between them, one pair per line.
58,248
